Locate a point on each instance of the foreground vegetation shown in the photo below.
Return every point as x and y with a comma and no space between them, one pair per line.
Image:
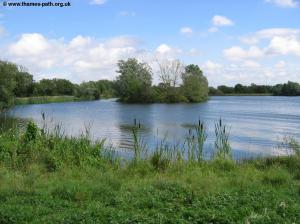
48,178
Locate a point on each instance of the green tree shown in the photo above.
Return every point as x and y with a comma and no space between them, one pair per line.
24,84
88,91
240,89
215,92
290,89
106,88
63,87
134,82
45,87
195,84
226,89
8,72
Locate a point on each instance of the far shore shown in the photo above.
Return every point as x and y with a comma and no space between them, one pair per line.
64,99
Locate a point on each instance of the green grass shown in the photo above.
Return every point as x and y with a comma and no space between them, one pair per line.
246,94
49,178
45,99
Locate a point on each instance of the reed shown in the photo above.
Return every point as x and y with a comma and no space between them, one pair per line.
139,146
222,144
201,136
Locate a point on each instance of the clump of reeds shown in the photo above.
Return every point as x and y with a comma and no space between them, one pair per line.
195,142
165,154
191,146
138,144
222,144
201,137
291,145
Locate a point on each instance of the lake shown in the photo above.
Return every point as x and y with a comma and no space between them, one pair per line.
257,123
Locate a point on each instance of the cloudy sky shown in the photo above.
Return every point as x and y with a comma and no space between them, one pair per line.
249,41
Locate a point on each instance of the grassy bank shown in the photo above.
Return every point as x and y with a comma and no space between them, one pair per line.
49,178
245,94
45,99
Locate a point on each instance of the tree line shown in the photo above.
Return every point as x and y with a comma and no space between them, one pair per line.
15,81
286,89
177,83
133,85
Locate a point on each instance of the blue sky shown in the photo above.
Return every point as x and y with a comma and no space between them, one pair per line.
232,41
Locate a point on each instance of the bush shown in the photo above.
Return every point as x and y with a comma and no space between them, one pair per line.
31,132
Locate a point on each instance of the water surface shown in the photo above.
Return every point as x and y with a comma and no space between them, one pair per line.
257,123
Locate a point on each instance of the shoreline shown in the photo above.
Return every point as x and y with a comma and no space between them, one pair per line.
48,178
64,99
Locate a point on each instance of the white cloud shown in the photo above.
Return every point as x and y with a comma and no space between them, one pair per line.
237,53
211,66
284,46
249,72
251,64
163,49
166,50
80,41
218,20
122,41
30,45
268,34
97,2
284,3
82,58
186,30
280,65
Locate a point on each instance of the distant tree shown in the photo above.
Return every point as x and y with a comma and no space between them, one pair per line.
8,72
239,88
134,82
106,88
24,84
44,87
170,72
63,87
290,89
226,89
215,92
88,91
195,84
277,90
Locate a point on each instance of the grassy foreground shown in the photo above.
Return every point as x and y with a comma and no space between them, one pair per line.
49,178
45,99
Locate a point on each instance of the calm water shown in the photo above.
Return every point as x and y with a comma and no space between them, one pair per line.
257,123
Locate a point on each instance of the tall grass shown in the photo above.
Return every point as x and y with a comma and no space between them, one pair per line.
139,146
165,154
291,145
222,144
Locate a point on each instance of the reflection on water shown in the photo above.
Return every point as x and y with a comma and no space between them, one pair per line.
257,123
